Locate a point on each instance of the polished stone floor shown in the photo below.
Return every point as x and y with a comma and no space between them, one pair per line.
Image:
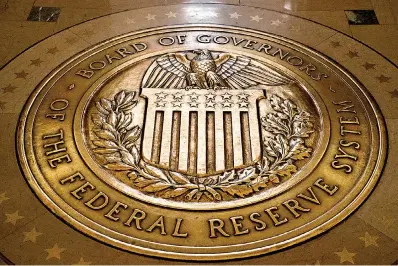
373,22
361,35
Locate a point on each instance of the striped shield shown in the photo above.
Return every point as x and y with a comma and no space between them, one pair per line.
201,131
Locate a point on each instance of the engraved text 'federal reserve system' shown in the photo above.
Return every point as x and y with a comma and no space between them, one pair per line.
201,142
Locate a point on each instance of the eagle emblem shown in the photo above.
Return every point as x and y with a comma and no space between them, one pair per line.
204,71
207,132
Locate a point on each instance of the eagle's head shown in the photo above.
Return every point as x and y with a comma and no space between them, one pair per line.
203,54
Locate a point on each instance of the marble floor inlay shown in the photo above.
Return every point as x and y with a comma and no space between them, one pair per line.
44,14
361,17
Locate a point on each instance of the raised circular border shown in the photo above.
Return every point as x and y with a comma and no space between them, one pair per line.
359,192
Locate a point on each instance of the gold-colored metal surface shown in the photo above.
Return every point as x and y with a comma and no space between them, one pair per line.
201,142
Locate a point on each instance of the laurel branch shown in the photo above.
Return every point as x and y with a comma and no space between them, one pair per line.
116,140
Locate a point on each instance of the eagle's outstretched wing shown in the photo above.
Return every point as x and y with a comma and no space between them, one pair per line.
240,73
167,71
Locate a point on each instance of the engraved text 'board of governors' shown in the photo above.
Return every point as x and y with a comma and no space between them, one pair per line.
201,142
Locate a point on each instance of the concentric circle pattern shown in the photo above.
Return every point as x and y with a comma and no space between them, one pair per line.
208,133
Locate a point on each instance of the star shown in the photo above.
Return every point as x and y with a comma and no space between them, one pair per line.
178,96
2,105
53,50
8,89
171,15
256,18
194,96
226,104
193,104
394,93
161,95
31,235
12,218
129,21
295,28
387,222
243,96
226,96
210,104
3,197
82,262
369,240
71,40
383,78
210,96
345,256
160,104
276,22
176,104
368,66
335,44
21,74
54,252
243,104
235,15
36,62
352,54
150,17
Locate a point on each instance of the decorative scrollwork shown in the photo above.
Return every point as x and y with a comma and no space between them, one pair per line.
116,140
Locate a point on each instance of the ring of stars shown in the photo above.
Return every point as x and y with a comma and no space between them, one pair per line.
171,15
150,17
256,18
235,15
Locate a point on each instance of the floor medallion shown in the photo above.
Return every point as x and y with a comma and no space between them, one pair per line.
201,142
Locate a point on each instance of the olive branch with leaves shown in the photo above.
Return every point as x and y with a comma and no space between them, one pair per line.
116,140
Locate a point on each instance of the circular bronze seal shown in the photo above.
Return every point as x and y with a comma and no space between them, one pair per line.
201,142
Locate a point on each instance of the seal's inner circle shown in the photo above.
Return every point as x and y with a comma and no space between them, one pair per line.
203,126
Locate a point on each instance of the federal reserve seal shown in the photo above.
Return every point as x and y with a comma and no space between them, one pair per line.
201,142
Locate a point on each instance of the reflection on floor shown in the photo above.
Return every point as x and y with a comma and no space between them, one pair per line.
25,22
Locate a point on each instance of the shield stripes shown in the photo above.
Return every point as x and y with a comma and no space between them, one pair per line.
201,131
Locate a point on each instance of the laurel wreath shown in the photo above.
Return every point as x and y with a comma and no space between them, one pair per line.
117,141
